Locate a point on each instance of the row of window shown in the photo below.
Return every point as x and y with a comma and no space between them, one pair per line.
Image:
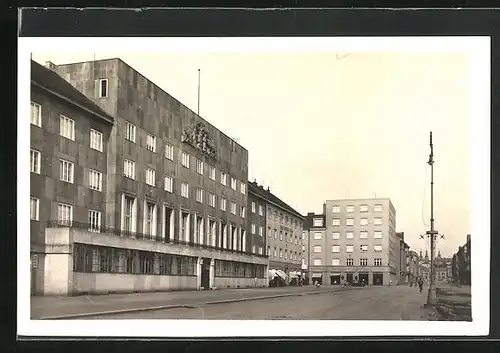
362,221
362,208
283,219
287,237
261,209
348,248
349,262
288,254
349,235
130,133
66,127
89,258
238,269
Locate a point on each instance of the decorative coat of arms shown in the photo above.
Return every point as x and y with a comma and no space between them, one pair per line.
198,138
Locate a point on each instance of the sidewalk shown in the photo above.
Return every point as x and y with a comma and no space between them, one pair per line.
454,302
53,307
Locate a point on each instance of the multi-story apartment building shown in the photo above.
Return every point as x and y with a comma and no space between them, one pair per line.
283,230
403,265
167,208
314,241
69,137
360,242
256,219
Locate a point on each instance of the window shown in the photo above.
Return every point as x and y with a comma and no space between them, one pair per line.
303,248
275,234
335,262
349,208
336,209
199,167
34,208
95,180
275,253
377,262
350,262
129,214
349,235
150,176
317,236
253,228
335,222
363,248
281,235
35,161
169,184
66,171
67,127
36,114
260,250
286,254
349,248
281,253
318,222
233,183
222,203
377,248
169,151
243,188
233,207
317,262
211,200
363,234
377,208
377,234
363,221
185,160
261,210
95,140
130,132
129,169
64,213
94,221
336,235
223,178
377,221
363,262
211,172
242,211
253,207
350,221
150,219
199,195
317,249
150,143
363,208
184,190
335,248
103,88
303,235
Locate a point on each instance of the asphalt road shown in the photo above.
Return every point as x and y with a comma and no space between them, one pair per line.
369,303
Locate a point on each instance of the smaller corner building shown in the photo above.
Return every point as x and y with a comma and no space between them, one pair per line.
276,228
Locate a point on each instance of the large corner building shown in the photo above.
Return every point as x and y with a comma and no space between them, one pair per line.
131,190
354,239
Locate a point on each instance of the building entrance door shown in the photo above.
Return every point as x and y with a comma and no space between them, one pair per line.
205,274
317,278
363,278
349,277
335,279
378,279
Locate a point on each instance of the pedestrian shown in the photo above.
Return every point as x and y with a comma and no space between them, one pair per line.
420,284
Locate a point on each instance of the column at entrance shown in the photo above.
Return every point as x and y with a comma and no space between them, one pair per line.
212,273
199,264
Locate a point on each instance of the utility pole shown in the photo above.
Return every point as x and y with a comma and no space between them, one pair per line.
431,297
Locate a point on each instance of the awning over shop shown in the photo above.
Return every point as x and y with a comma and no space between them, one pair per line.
317,275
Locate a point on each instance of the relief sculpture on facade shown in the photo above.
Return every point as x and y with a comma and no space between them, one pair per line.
198,138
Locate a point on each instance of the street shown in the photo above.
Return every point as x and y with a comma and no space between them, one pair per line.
369,303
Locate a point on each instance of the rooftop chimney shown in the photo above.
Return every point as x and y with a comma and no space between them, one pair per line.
50,65
268,190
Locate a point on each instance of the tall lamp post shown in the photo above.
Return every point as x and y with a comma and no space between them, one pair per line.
431,296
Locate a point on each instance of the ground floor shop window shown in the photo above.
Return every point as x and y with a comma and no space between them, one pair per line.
238,269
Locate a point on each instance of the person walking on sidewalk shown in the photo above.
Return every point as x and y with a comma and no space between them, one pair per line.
420,284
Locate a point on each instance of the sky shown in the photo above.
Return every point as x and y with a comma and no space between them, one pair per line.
323,125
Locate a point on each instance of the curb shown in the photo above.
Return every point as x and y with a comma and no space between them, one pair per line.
178,306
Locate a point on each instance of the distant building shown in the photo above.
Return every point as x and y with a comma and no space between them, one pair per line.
314,236
403,266
283,230
461,263
142,193
358,243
